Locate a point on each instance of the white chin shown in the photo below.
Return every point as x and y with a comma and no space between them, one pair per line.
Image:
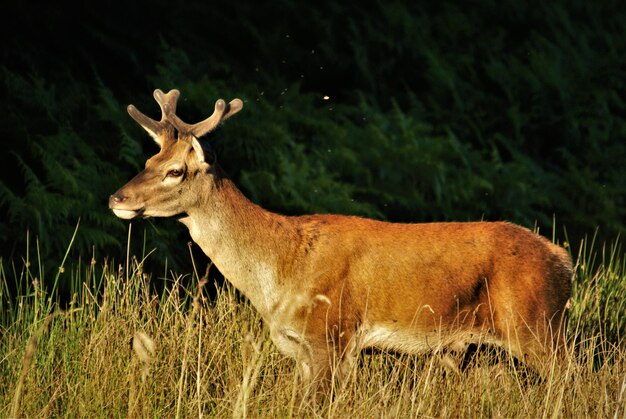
125,214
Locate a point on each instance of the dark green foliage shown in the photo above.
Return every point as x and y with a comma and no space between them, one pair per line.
436,112
54,177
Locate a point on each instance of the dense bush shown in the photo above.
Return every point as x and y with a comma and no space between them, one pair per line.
435,112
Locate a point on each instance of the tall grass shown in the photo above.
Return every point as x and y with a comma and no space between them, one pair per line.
120,349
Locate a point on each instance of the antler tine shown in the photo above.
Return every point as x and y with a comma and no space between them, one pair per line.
222,112
167,102
204,127
153,127
232,108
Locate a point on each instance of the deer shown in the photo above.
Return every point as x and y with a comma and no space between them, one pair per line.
328,286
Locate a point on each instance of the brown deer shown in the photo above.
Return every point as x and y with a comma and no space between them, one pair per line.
329,285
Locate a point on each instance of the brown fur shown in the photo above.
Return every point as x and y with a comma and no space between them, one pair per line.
330,285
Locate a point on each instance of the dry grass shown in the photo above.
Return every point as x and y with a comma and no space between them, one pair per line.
120,350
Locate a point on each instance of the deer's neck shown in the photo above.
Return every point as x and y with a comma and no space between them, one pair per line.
242,239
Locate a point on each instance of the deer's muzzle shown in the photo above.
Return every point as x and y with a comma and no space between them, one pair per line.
120,209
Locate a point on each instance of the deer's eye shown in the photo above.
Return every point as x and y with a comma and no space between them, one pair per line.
174,173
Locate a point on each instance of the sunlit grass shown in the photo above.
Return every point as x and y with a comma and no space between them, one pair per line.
120,349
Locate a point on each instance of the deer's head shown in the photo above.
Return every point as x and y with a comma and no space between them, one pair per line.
165,187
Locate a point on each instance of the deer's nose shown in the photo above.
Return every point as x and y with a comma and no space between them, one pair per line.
116,198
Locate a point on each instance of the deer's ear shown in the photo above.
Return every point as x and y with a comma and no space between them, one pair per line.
199,152
197,148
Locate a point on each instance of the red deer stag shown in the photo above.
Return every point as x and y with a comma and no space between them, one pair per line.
330,285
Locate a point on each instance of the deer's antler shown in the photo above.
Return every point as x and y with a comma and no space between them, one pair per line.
222,112
167,103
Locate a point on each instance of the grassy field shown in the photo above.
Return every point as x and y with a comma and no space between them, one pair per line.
121,350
